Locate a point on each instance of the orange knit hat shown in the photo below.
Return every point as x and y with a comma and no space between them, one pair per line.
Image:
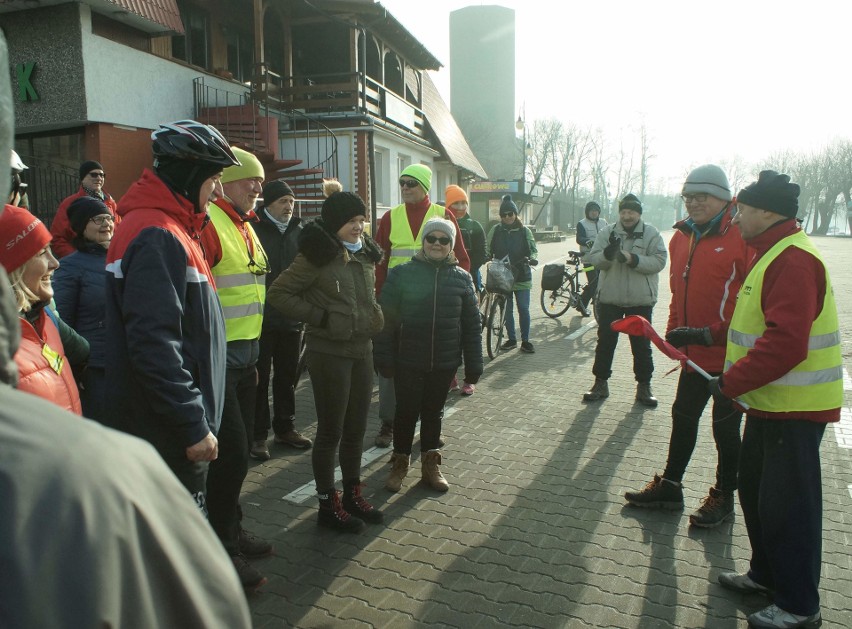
454,194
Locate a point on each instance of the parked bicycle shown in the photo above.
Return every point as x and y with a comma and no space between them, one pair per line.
492,309
562,288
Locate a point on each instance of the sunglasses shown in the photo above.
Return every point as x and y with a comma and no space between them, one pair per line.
408,183
507,213
441,239
97,175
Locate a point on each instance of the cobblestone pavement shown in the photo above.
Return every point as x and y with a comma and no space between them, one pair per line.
534,531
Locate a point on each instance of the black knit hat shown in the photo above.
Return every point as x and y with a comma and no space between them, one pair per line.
87,167
274,190
507,205
630,202
82,209
340,208
772,191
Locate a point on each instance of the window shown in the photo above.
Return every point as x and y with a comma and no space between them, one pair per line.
193,47
380,161
240,56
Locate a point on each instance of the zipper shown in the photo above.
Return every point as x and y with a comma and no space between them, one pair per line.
434,316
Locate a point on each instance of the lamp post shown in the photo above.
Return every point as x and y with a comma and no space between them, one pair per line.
521,125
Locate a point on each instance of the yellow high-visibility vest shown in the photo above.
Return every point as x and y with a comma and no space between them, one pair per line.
404,243
815,384
241,292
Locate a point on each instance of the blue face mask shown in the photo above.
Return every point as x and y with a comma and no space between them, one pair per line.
353,247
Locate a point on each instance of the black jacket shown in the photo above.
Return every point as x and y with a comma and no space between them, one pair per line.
431,317
281,249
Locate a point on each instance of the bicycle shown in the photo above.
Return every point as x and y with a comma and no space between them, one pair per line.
556,302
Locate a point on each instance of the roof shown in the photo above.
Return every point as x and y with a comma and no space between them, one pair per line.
162,12
151,16
450,138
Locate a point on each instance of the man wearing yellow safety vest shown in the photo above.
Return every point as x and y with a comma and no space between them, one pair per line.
239,264
783,360
398,234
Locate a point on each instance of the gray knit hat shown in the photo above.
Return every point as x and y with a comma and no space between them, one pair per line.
439,225
708,178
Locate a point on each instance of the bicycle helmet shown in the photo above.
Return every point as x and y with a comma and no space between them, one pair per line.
17,163
191,141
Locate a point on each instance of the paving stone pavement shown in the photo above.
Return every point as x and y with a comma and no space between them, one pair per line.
534,531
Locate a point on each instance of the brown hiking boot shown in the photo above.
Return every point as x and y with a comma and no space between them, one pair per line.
431,470
717,507
660,493
385,437
599,391
644,395
294,439
399,468
249,576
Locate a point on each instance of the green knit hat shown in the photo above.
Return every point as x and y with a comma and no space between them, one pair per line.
249,168
423,175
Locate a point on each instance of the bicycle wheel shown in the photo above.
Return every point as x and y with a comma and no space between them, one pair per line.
484,305
496,321
555,303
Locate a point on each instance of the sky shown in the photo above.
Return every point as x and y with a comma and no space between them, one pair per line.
712,81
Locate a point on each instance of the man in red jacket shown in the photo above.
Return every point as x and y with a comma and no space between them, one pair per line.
708,259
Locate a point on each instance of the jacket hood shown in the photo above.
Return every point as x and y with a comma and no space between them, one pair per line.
320,246
151,192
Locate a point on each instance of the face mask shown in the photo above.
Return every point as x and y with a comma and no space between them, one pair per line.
352,246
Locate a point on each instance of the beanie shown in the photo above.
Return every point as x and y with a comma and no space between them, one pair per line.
274,190
507,205
423,175
87,167
630,202
340,208
24,236
591,206
82,209
439,225
710,179
772,191
454,194
249,168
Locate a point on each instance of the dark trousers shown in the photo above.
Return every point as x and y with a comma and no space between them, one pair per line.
780,489
227,473
643,362
193,476
690,401
93,393
590,287
342,391
419,395
279,356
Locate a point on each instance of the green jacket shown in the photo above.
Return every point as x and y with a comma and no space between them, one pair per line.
517,242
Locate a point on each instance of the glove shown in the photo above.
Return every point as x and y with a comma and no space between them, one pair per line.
621,256
386,372
689,336
532,262
590,243
471,379
715,385
613,247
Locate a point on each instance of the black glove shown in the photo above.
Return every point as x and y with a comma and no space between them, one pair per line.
619,255
590,243
715,385
613,247
689,336
532,262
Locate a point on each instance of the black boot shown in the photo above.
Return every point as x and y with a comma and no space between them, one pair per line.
332,514
599,391
357,505
644,395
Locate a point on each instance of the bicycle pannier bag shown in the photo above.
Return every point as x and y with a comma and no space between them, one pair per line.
552,276
499,278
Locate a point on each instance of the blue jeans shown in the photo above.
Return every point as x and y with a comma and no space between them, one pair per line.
522,297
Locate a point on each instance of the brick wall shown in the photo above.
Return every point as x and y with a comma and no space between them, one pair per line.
123,152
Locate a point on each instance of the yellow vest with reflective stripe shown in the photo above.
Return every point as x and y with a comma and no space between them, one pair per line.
241,292
815,384
404,244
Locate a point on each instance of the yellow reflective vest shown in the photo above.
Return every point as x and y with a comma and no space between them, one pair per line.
815,384
404,243
241,292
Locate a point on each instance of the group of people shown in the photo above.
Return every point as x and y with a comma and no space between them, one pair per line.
170,312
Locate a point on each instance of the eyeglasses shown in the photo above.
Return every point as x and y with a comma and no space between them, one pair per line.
255,268
441,239
408,183
104,218
698,198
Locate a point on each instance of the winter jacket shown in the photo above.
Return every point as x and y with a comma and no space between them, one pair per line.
60,227
635,284
431,318
281,249
79,286
518,243
332,291
587,231
705,275
165,359
473,236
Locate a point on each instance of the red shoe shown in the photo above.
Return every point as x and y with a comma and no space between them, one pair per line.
454,384
468,389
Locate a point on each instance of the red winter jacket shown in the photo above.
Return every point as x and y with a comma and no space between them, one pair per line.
705,275
61,226
36,374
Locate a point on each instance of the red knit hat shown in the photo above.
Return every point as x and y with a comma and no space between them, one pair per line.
23,235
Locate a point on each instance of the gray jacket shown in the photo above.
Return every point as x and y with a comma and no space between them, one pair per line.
635,284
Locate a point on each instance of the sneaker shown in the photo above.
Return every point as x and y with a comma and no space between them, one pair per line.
385,437
773,617
660,493
294,439
252,546
527,347
332,515
249,576
509,345
358,506
260,451
467,389
742,583
454,384
714,509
